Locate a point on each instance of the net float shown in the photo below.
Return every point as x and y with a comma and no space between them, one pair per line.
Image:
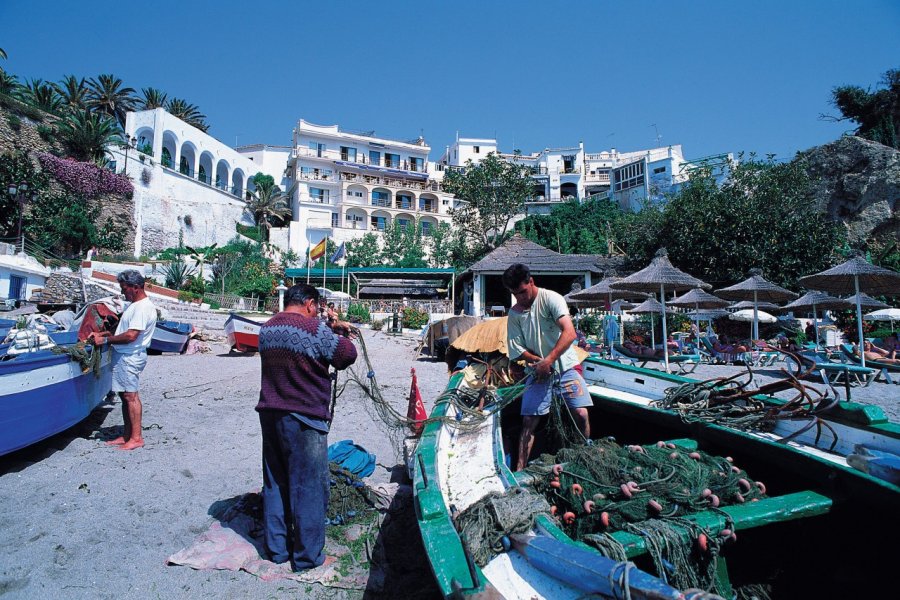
588,506
569,518
576,489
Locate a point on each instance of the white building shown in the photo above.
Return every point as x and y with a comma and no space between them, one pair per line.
189,186
347,183
20,274
629,178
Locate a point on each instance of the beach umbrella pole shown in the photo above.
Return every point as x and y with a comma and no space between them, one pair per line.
859,331
754,330
662,297
816,327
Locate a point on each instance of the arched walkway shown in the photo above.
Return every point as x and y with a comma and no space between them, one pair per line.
237,182
222,169
187,162
205,170
169,156
144,137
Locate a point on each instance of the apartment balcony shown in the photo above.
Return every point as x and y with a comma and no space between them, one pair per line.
601,178
315,200
381,203
316,176
361,159
427,186
570,171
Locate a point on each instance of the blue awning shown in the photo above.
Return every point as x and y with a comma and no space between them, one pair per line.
384,171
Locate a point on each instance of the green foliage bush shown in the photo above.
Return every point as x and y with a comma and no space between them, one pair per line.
48,134
358,313
378,324
589,324
20,108
249,231
413,318
15,123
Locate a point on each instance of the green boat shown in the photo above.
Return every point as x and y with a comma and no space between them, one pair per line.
802,539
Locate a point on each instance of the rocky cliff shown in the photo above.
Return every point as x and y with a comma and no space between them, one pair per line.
857,182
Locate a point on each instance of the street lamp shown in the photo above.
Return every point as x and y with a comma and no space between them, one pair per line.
130,144
18,192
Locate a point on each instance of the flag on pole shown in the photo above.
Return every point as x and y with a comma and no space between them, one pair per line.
339,254
318,251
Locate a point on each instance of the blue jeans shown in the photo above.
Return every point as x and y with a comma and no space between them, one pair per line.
295,490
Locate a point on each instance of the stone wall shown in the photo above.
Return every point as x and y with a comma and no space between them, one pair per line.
857,182
65,288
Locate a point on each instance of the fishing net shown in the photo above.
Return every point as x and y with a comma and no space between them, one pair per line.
86,355
484,524
349,500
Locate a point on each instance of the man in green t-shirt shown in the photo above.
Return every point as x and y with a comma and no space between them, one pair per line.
539,331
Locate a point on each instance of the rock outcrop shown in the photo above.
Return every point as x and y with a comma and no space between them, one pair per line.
857,182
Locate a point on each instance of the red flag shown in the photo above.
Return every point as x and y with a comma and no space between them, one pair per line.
416,411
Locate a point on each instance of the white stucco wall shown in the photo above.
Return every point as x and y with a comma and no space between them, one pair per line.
34,273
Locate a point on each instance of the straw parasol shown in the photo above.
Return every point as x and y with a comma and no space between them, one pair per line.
852,277
748,304
757,289
698,298
601,294
865,301
658,276
813,300
651,307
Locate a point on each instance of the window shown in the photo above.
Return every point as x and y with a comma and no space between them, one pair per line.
392,160
355,194
318,195
378,223
380,199
317,149
476,149
335,220
404,201
348,153
659,170
415,164
629,176
374,157
426,228
403,223
354,221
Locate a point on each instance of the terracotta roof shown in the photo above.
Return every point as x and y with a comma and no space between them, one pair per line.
518,249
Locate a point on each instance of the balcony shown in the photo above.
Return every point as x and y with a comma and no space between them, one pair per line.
432,186
313,176
361,159
381,203
315,200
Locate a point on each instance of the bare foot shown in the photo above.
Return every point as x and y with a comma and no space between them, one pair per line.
116,442
132,445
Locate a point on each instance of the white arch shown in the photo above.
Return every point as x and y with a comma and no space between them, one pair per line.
222,171
205,167
188,157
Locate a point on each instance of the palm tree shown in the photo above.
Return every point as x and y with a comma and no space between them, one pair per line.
153,98
9,83
41,94
189,113
108,96
3,54
73,93
85,135
177,273
269,202
202,255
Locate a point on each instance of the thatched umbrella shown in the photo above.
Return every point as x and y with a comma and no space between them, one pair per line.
659,275
852,277
747,304
602,294
698,298
651,307
813,300
865,301
757,289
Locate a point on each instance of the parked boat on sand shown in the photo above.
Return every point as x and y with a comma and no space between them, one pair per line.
813,509
170,336
243,333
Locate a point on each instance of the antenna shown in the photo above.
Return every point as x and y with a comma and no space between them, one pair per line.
658,137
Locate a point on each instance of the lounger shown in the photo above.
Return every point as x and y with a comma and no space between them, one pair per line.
884,369
835,373
721,358
685,363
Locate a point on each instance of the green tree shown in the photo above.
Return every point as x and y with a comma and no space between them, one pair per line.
42,95
877,114
492,192
202,255
762,216
85,135
402,247
263,181
439,246
152,98
577,227
73,93
363,251
189,113
17,168
108,96
267,204
9,83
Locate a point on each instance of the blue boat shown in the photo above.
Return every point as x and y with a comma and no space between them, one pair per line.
170,336
43,393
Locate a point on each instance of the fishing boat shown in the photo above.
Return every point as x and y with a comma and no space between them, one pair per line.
43,393
243,333
797,536
170,336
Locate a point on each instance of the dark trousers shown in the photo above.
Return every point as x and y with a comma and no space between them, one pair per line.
295,490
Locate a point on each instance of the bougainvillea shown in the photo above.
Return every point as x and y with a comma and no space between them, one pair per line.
86,179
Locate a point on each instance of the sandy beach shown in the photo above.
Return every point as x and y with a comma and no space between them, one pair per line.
82,520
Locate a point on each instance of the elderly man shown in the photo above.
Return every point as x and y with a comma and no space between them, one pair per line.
129,355
540,331
297,348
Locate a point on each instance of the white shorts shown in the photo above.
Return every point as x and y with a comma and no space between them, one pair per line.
126,370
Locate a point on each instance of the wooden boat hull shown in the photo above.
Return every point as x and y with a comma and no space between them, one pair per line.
42,394
242,333
170,336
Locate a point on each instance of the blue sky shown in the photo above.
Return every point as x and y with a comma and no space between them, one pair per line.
712,76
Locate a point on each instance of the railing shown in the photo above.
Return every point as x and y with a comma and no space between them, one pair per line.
361,159
381,203
206,180
315,200
389,306
317,176
235,302
388,182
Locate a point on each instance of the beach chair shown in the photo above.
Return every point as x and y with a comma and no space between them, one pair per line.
833,374
884,370
684,363
715,357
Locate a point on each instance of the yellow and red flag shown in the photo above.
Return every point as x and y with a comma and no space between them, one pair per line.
318,251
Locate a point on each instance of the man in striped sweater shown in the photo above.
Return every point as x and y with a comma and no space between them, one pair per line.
297,350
